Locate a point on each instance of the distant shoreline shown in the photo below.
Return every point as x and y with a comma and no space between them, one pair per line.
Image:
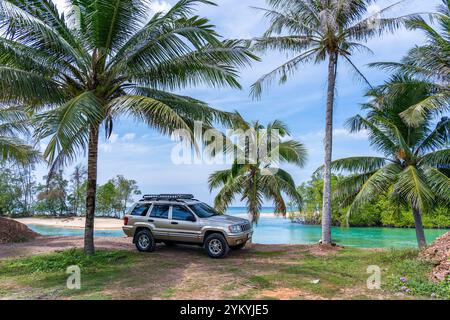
100,223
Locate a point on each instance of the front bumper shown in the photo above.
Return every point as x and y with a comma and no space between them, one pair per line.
239,238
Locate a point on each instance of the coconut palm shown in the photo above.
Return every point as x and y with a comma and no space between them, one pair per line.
414,169
317,31
254,175
429,62
80,71
13,123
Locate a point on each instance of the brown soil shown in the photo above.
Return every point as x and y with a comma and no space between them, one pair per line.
439,254
12,231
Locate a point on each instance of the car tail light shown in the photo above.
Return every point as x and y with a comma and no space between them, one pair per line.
125,221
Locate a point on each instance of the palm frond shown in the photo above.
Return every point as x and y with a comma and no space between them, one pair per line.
376,184
282,72
291,151
19,86
437,159
438,138
68,127
357,164
416,114
412,185
12,148
154,113
439,183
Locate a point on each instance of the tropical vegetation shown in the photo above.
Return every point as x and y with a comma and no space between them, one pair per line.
382,211
414,167
22,195
429,63
318,31
255,175
78,72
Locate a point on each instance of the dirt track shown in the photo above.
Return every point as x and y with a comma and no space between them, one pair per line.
45,244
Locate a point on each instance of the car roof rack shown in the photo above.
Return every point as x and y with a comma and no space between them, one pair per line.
173,197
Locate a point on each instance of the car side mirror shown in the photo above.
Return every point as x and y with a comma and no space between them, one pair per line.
191,218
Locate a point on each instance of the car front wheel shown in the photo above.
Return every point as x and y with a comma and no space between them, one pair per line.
216,246
145,241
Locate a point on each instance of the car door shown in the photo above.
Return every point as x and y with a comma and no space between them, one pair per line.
159,219
184,225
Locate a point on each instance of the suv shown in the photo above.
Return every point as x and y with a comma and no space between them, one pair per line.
179,218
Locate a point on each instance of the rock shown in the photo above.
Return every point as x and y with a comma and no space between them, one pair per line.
316,281
438,253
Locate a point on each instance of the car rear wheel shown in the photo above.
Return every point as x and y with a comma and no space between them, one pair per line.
145,241
216,246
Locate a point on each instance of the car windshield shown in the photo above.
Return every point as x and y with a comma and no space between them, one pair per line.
202,210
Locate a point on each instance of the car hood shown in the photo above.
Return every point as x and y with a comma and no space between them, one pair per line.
226,219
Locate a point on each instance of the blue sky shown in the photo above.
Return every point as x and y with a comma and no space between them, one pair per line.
140,153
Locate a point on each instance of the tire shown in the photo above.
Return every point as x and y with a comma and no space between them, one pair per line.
216,246
145,241
169,243
238,247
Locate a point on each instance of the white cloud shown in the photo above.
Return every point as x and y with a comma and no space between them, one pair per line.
160,6
113,138
345,134
128,137
105,147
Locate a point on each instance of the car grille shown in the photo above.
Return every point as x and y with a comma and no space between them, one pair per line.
245,227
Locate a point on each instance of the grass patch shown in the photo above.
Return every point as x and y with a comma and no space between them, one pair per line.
269,253
261,282
409,275
168,293
61,260
47,273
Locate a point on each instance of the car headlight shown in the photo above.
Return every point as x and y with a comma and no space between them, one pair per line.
235,228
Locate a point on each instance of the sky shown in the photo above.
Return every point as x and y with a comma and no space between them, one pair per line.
140,153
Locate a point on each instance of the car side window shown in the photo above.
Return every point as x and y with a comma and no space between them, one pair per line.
140,210
182,213
160,211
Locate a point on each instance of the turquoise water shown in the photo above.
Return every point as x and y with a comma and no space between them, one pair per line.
276,230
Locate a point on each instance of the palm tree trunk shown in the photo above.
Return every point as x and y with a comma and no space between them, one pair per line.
326,207
420,234
91,191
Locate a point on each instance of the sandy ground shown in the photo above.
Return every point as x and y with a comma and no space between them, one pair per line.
45,244
42,245
74,222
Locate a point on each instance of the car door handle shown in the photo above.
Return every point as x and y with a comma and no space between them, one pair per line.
151,220
173,222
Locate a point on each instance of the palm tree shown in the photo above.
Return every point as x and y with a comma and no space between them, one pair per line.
414,169
316,31
253,175
13,123
429,62
107,58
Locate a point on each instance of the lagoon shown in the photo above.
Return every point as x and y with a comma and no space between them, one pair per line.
278,230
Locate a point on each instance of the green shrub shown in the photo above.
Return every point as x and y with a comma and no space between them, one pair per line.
61,260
